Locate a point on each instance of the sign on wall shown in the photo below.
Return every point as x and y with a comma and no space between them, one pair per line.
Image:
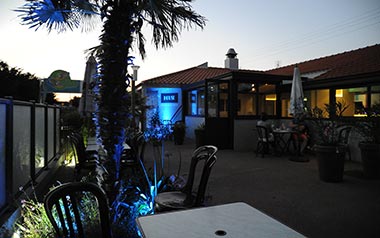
169,97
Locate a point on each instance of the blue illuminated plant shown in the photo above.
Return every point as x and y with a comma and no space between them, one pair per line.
156,131
135,198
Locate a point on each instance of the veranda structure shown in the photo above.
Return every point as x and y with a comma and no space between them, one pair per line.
230,100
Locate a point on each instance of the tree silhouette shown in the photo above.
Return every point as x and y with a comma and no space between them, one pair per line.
19,85
50,98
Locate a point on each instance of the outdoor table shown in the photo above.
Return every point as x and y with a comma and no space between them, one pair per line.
127,153
282,139
237,220
126,146
91,141
294,138
93,148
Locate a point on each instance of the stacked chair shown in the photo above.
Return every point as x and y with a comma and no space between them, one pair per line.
84,163
136,152
186,197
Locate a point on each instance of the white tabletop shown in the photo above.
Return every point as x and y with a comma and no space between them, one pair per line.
126,146
282,131
92,148
237,220
91,141
95,147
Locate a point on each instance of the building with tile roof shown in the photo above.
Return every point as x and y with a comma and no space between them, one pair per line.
361,61
186,76
228,99
347,64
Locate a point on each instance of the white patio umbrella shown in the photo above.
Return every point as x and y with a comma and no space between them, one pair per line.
296,108
86,104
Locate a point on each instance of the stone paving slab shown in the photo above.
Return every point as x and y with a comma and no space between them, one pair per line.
290,192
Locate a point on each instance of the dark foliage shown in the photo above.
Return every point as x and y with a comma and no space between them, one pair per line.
50,98
19,85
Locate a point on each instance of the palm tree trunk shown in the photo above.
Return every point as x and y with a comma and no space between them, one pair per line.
114,111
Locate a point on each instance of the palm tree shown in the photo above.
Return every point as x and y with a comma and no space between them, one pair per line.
123,21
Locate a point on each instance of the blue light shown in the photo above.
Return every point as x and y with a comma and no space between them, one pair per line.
167,109
133,201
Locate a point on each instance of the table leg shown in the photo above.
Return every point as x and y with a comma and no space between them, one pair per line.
295,137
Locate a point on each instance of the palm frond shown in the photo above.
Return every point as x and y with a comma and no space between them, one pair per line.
58,15
169,18
95,50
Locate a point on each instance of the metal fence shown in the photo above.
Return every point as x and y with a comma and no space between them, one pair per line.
29,141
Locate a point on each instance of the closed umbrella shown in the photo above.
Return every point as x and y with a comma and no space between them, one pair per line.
296,108
86,105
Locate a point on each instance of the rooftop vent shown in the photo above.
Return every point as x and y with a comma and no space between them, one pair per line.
231,62
203,66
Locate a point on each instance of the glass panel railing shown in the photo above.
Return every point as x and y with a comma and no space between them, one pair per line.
40,138
21,146
2,155
50,139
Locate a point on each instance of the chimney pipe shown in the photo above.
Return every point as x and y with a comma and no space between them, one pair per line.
231,62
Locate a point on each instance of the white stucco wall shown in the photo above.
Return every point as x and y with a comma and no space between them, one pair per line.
166,109
245,135
191,124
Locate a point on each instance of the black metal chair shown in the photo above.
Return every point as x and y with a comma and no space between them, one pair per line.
66,210
185,198
137,150
141,147
344,134
264,141
83,161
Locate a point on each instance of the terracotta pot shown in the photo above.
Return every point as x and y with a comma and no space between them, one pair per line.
330,162
370,153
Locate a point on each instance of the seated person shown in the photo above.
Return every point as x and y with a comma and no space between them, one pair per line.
265,122
300,137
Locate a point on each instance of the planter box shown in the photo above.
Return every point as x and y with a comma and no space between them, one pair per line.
330,162
200,137
370,154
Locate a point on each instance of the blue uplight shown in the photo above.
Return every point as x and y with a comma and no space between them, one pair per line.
167,109
134,200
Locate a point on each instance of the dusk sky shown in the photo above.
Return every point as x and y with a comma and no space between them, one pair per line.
263,33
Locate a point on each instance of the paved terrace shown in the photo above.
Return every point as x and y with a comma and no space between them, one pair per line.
288,191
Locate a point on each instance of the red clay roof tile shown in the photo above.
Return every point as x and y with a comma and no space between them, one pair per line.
360,61
187,76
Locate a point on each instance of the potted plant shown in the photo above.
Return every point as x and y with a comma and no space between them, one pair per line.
200,134
179,130
369,129
156,131
330,153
